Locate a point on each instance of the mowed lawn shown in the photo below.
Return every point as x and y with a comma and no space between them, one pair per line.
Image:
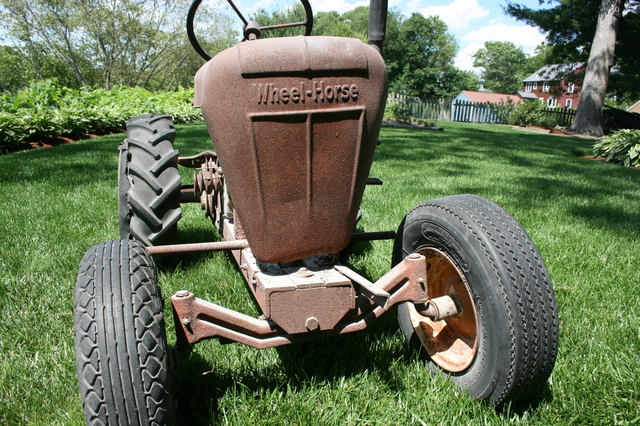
583,215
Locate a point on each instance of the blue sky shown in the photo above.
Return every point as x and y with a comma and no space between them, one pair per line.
472,22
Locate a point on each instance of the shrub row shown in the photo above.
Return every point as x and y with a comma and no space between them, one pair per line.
46,110
528,113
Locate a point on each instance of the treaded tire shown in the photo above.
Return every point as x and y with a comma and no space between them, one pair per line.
149,181
120,342
509,288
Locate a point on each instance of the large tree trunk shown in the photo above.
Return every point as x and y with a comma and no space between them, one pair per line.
589,115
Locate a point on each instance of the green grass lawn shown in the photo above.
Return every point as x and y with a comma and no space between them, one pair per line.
583,215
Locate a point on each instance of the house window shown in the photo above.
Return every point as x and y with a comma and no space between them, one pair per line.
552,102
535,85
545,87
569,102
527,87
570,87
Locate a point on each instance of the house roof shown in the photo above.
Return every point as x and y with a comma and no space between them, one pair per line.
492,98
553,72
527,95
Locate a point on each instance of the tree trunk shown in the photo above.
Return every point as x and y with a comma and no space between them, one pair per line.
589,115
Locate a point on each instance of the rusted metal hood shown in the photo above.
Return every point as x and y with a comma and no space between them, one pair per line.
295,122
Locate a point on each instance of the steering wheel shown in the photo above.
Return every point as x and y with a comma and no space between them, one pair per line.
251,29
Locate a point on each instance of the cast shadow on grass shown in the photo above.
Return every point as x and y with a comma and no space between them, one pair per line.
202,382
325,362
67,166
623,223
468,142
603,201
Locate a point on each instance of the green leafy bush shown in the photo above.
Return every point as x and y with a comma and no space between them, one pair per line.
422,122
621,147
547,121
528,113
46,110
11,131
503,110
397,111
532,113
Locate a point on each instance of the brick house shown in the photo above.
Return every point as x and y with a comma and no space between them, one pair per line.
554,85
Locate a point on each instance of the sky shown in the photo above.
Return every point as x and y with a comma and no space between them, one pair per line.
472,22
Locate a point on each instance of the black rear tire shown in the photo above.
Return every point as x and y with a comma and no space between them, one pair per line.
509,326
149,182
121,347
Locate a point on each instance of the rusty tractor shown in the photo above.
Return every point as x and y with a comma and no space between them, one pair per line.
470,288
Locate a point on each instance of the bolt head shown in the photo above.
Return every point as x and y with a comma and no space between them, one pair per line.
182,293
304,272
312,324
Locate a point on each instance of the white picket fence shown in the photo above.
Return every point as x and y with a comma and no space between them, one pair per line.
429,109
446,109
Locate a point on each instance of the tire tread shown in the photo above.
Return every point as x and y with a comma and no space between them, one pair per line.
119,316
524,284
153,193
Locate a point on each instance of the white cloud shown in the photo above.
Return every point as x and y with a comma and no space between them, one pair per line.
464,60
523,36
339,6
396,3
458,13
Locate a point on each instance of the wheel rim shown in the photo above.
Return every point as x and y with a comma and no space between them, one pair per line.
452,343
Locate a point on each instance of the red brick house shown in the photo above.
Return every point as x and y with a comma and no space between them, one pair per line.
554,85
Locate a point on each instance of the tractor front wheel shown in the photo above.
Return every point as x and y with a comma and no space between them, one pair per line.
503,345
120,342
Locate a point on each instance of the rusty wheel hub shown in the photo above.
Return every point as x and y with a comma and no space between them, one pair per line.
451,343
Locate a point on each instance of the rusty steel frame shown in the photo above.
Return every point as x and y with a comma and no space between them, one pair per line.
329,298
242,243
197,319
310,299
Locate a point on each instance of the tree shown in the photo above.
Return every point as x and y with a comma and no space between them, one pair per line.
570,26
542,56
104,43
334,24
455,80
419,51
589,115
14,73
505,66
420,57
287,14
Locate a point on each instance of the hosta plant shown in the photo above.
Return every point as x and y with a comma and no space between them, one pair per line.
621,147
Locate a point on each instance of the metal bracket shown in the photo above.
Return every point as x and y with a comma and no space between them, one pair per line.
195,161
197,319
